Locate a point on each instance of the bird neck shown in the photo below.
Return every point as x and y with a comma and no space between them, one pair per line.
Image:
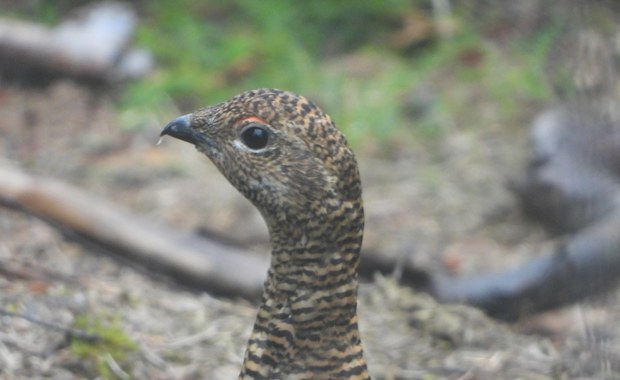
306,326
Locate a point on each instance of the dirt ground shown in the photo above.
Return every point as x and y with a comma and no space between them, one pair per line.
444,210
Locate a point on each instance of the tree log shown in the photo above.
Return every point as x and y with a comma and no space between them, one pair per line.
94,46
190,259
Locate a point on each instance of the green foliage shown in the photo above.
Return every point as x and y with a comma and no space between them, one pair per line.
208,51
520,76
213,50
48,12
113,343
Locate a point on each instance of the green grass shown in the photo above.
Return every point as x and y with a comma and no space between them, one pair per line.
114,343
208,52
213,50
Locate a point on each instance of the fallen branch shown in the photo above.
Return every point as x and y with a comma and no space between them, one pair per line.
95,45
571,187
190,259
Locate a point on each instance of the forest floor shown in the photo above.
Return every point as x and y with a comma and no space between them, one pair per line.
445,208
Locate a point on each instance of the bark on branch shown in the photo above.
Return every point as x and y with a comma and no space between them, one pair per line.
94,46
189,258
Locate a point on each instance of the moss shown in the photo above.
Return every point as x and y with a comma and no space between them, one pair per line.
112,342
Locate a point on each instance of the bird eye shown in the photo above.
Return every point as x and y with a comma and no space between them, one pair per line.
255,137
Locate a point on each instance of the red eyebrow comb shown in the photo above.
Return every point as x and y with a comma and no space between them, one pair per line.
251,119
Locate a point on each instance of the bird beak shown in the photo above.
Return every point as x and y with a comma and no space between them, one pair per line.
181,129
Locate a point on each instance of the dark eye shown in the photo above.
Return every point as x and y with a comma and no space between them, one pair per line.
255,137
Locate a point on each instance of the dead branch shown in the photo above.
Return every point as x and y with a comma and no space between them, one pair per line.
95,45
188,258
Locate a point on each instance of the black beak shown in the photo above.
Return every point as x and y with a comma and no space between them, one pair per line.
181,129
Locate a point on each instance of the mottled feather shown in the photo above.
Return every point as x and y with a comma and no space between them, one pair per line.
287,157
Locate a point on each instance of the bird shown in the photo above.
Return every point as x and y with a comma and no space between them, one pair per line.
286,156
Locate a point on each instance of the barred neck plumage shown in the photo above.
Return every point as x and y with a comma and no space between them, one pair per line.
286,156
306,326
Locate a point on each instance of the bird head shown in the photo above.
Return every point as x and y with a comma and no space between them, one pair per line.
279,150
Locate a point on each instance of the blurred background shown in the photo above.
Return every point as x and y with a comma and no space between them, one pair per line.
436,98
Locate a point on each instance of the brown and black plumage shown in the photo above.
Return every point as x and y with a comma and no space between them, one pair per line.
287,157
